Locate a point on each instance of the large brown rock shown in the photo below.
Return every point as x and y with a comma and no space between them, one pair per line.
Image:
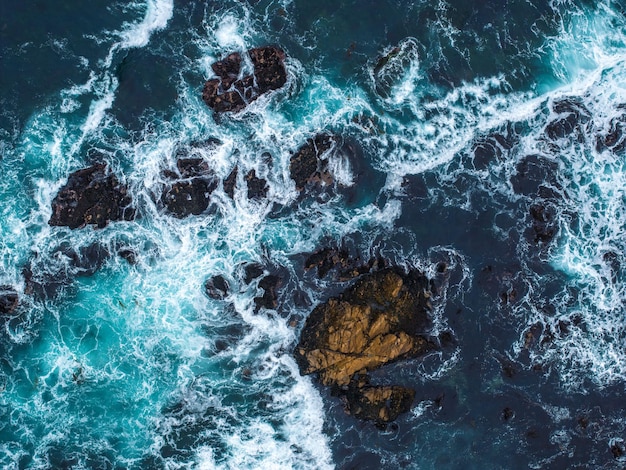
91,196
231,93
382,318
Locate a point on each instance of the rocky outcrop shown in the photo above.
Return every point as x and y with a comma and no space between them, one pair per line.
230,182
257,187
308,164
346,267
217,287
9,299
191,193
382,404
381,319
231,92
91,196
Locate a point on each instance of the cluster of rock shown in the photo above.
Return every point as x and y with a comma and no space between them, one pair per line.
382,318
91,196
232,92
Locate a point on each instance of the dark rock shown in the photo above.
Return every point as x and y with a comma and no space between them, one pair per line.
491,148
86,260
91,196
257,187
189,196
252,271
230,182
614,139
544,222
307,166
9,299
507,413
572,115
380,319
534,172
346,266
270,285
128,254
381,404
618,449
229,93
190,167
217,287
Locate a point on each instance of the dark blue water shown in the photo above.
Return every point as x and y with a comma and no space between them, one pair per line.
486,136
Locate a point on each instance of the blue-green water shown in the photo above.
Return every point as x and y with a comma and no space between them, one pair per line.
445,153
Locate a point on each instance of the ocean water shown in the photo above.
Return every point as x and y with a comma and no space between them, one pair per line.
491,138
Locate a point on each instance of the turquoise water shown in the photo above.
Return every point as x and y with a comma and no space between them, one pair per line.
108,364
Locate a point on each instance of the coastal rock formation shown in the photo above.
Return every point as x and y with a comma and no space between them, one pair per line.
217,287
9,299
382,318
345,266
231,93
91,196
382,404
192,192
307,165
257,187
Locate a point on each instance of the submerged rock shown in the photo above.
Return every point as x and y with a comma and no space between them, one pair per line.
9,299
382,318
231,93
91,196
307,165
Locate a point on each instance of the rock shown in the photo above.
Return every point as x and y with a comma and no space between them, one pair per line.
217,287
572,115
91,196
230,182
533,173
380,319
269,300
229,93
381,404
544,222
340,260
252,271
128,254
308,166
9,299
191,194
257,187
188,197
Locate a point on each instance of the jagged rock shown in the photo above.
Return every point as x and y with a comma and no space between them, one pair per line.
382,318
188,197
128,254
270,284
191,194
378,320
91,196
347,267
229,93
251,272
544,221
307,165
9,299
572,115
217,287
257,187
230,182
381,404
534,172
